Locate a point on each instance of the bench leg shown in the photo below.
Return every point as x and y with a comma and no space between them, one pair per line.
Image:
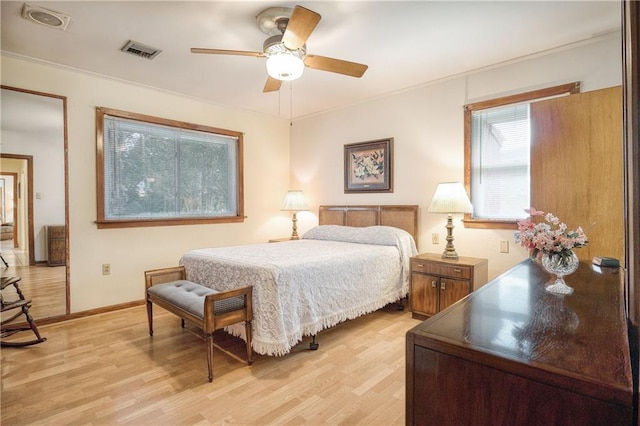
208,341
247,328
150,317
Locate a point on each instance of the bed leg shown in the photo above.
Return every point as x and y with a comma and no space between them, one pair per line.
400,304
313,345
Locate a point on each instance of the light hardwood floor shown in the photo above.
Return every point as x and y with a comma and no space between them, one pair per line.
44,285
105,369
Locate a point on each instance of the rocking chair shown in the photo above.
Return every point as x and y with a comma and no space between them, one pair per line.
23,306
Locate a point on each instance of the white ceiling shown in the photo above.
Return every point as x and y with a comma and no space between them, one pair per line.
405,44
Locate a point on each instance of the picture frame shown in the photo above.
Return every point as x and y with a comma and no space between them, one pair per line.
368,166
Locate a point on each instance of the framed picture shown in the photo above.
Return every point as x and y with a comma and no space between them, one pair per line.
368,166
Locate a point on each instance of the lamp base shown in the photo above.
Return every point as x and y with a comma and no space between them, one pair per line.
449,250
449,254
294,234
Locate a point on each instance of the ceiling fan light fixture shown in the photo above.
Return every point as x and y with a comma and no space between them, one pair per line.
285,66
282,63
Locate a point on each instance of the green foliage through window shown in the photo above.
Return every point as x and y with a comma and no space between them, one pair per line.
154,171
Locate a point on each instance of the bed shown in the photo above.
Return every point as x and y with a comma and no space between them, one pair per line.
354,262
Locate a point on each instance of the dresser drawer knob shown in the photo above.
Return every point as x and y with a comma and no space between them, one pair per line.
443,285
434,284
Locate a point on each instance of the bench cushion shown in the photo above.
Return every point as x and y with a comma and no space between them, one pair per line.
190,296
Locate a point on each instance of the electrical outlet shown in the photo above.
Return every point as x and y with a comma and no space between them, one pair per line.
106,269
504,246
435,238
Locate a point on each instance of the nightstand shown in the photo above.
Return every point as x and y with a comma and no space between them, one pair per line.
437,283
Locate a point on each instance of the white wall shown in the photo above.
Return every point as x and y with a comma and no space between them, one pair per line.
427,126
131,251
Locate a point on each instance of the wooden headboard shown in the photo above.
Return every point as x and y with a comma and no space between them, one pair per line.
403,217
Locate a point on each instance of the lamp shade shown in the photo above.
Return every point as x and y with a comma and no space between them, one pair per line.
285,66
450,197
294,201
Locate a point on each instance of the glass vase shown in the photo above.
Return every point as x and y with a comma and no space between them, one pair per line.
560,265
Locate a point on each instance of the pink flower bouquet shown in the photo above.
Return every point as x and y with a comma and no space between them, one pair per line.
547,235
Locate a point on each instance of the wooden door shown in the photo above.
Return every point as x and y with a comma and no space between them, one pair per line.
577,166
452,290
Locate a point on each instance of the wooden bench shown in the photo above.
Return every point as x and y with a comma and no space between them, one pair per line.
208,309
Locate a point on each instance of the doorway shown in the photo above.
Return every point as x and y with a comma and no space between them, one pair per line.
18,218
9,221
34,148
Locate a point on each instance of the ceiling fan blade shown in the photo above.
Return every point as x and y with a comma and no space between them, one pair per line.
335,65
226,52
272,85
301,24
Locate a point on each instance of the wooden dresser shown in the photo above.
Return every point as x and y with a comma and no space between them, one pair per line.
437,283
56,245
512,354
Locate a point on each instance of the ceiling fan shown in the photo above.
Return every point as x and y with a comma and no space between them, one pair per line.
285,49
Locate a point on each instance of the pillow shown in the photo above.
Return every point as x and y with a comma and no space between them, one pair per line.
379,235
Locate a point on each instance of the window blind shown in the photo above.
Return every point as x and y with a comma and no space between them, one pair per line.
500,140
153,171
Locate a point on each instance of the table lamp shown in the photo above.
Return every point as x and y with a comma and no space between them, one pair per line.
294,202
450,198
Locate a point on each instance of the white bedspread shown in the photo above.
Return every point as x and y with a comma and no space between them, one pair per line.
302,287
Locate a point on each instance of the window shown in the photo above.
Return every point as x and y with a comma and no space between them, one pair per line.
497,157
153,171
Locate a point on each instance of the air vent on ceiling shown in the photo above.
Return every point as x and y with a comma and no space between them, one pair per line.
141,50
46,17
